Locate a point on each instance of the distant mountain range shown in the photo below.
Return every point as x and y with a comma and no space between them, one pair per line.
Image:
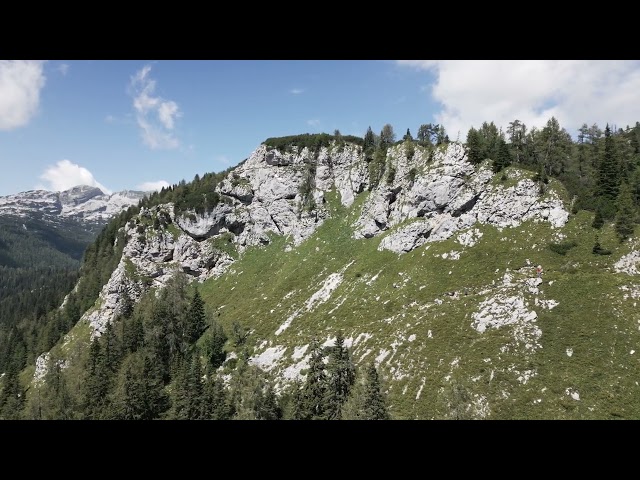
44,228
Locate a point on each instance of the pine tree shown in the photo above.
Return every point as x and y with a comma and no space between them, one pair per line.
57,402
11,395
133,336
374,405
474,146
608,175
598,219
187,394
341,377
267,405
625,218
213,346
408,136
111,348
369,142
215,402
195,321
315,386
366,400
96,385
503,157
140,393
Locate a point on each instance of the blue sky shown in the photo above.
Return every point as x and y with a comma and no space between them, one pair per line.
139,124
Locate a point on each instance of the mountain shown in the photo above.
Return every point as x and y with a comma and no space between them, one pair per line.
43,228
424,261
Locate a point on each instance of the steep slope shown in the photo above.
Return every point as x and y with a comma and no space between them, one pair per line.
430,274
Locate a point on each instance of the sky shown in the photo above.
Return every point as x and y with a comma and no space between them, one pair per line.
144,124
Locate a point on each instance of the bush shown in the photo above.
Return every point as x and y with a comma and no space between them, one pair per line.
562,248
598,250
413,173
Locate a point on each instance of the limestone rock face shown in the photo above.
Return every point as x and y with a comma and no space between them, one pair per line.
453,195
432,194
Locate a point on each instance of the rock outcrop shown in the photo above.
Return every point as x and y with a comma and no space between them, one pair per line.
451,194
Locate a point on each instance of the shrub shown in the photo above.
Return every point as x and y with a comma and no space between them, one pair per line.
562,248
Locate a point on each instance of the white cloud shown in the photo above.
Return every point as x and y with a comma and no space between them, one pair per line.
63,68
532,91
155,116
20,85
296,91
314,122
152,186
66,174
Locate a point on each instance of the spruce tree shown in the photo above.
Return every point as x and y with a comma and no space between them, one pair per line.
195,318
369,142
503,157
625,218
374,405
11,395
96,385
215,402
608,175
315,386
214,342
598,219
474,147
341,375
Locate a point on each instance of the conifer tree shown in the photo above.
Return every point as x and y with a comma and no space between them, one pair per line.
315,386
625,218
195,321
341,375
215,402
598,219
369,142
213,346
96,385
474,146
374,403
608,176
11,395
503,157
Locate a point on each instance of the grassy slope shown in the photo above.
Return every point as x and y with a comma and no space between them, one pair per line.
591,321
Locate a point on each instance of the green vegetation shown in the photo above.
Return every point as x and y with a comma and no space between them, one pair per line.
313,141
562,248
410,321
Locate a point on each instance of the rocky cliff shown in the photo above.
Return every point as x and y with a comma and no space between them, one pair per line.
431,196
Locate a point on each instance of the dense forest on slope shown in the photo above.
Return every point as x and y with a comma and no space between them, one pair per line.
156,353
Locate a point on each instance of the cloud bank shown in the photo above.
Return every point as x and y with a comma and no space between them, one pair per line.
155,116
20,84
152,186
532,91
66,174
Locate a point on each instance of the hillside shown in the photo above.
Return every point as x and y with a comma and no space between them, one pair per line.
424,260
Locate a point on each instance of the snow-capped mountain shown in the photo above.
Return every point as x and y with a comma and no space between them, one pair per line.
86,205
